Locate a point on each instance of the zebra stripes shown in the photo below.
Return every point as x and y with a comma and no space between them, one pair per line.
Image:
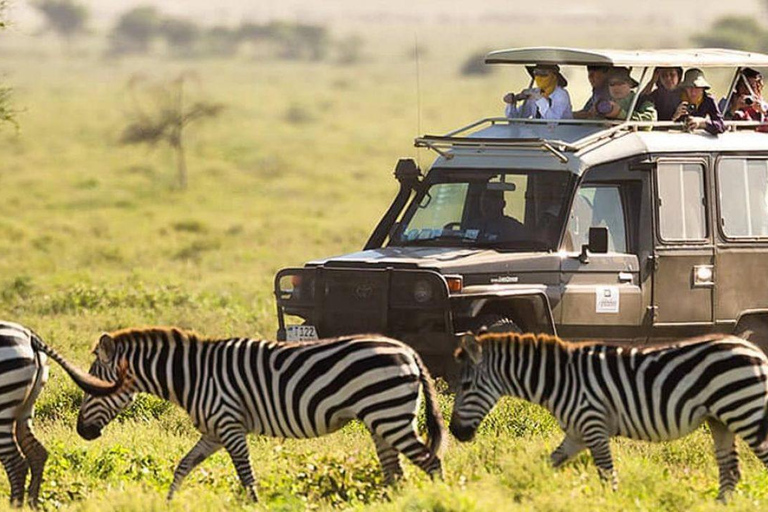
23,373
234,386
599,391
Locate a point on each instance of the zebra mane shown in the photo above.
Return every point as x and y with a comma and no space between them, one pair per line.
528,338
550,340
132,334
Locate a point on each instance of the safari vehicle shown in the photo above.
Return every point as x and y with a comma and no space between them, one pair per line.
632,232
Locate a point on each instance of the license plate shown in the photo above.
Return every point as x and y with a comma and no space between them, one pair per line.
300,333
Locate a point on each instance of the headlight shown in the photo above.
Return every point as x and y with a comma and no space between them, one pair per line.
422,291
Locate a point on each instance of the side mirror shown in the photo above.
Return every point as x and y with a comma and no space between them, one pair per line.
598,239
598,243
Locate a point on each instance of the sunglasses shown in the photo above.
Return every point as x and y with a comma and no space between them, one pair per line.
541,72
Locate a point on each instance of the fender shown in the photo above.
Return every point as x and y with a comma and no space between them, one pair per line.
536,295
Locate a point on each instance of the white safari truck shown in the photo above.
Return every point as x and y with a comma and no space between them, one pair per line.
624,231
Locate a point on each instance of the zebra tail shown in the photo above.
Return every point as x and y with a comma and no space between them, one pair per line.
435,425
88,383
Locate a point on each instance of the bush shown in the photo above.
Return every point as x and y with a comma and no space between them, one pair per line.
475,65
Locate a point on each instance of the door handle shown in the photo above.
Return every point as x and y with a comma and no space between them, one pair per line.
625,277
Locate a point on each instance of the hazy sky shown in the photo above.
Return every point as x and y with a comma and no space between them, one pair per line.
675,13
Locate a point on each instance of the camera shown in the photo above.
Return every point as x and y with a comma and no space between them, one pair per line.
527,93
691,108
603,106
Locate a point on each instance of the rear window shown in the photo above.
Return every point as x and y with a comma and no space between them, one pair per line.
742,187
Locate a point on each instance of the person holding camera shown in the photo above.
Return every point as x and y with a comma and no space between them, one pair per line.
548,100
747,103
597,76
621,95
666,96
698,109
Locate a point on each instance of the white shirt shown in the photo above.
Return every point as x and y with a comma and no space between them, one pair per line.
557,106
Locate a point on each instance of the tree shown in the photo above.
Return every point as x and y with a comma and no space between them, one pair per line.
67,18
135,31
166,121
181,35
734,32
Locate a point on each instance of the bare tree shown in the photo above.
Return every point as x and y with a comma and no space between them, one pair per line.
165,121
7,114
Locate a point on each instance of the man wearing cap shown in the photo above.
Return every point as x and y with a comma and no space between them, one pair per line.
597,76
548,100
620,85
698,109
666,96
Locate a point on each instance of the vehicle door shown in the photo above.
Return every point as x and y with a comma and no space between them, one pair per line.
601,295
684,275
742,248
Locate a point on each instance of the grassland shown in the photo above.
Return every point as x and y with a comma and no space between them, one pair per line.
96,236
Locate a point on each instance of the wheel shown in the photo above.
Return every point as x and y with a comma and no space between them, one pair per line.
754,329
494,322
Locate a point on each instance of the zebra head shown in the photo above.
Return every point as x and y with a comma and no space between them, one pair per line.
476,395
97,412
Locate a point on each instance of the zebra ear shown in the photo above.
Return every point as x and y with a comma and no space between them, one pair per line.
106,348
472,348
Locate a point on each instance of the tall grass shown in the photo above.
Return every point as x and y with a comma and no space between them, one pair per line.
94,236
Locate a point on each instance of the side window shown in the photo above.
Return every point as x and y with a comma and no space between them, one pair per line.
743,193
597,205
682,211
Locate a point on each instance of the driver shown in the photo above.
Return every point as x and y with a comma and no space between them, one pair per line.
494,225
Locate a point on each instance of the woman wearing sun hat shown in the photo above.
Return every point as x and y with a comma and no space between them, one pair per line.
698,109
548,100
620,89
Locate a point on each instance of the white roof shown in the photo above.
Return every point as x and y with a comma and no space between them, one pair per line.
697,57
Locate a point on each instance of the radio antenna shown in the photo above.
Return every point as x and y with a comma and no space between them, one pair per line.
417,56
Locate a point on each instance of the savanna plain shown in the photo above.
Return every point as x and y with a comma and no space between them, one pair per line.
96,236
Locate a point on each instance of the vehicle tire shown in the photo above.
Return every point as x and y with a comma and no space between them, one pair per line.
754,329
494,322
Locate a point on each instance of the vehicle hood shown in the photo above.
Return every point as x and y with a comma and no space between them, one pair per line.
447,260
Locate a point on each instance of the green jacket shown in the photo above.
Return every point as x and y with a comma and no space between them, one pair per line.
644,110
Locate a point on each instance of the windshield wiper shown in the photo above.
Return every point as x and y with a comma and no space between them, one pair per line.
518,245
441,238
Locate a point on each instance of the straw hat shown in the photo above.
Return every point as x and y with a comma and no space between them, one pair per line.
554,68
694,77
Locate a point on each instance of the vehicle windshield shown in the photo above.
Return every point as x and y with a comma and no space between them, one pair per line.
510,210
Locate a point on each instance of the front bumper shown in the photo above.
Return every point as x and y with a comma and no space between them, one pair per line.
402,303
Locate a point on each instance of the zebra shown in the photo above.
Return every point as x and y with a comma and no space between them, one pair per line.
598,391
23,373
234,386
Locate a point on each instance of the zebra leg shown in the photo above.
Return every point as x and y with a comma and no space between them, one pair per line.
599,445
237,446
568,449
204,448
406,440
389,459
727,458
36,456
14,463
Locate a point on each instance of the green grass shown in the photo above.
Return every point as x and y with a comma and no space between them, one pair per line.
95,236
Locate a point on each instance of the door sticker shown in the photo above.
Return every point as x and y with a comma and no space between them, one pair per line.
607,299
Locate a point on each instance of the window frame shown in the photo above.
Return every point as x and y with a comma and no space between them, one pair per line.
718,199
703,163
622,193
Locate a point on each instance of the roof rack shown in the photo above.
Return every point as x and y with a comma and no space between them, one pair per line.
465,137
